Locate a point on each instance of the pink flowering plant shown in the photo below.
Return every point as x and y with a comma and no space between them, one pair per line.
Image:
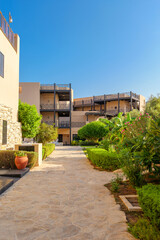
134,132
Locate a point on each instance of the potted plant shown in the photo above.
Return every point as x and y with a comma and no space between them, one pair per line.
21,159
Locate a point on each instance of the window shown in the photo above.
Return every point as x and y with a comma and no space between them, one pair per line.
4,133
1,65
60,138
115,107
75,137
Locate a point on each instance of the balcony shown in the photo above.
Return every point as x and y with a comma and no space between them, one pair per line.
52,87
47,107
62,106
83,103
4,26
63,124
58,106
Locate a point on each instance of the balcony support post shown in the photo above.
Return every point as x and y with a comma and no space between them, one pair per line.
70,113
54,103
93,103
118,103
131,101
104,103
82,105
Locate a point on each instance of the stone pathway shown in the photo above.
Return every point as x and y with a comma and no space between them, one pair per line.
65,198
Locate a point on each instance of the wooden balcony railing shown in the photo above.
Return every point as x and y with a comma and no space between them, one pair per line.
4,26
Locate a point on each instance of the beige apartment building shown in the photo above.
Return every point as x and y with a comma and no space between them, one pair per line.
56,104
10,128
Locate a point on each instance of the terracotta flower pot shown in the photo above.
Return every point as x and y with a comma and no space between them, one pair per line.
21,162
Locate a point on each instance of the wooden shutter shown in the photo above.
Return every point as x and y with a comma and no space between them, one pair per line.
4,133
1,65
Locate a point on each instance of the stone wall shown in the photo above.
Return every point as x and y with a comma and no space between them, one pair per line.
14,134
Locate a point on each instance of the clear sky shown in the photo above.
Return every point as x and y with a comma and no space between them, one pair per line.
100,46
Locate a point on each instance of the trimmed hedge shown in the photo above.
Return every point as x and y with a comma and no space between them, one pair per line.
104,159
74,143
84,143
149,199
7,159
47,149
88,143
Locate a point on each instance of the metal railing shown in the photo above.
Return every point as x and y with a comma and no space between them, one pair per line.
63,124
47,106
77,124
4,26
47,87
65,106
58,106
111,97
55,86
48,122
62,86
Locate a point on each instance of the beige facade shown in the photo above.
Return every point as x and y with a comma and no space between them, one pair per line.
10,128
9,84
30,93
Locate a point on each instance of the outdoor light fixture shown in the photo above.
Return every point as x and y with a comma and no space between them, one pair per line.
10,18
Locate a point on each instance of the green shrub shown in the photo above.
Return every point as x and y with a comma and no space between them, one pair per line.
132,167
7,159
47,150
114,186
143,230
104,159
88,143
74,143
47,133
149,199
93,131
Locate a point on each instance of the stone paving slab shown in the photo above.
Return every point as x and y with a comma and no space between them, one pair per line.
63,199
5,183
13,172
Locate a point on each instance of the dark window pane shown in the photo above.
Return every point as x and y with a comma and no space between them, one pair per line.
1,65
4,133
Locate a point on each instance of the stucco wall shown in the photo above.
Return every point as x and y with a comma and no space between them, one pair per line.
30,93
142,103
9,85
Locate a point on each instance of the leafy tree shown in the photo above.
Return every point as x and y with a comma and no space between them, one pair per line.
93,131
153,107
47,133
29,118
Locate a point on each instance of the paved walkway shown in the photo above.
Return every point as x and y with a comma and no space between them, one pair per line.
65,199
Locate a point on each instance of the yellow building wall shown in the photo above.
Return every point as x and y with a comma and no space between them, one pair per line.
9,85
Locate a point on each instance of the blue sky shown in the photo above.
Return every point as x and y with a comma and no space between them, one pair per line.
100,46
